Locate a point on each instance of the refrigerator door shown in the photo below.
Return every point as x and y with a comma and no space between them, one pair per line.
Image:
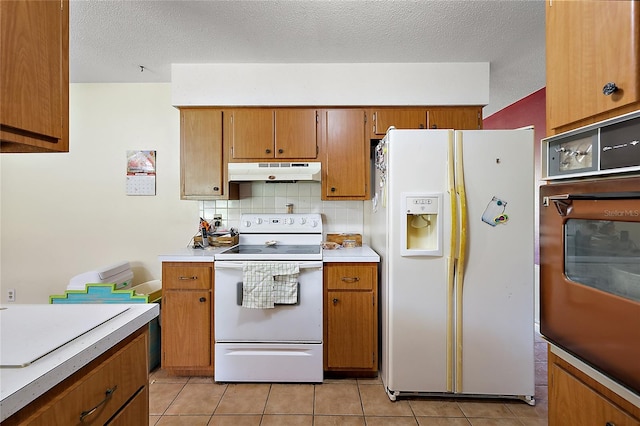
414,289
495,331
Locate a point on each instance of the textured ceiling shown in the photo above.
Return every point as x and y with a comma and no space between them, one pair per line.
110,40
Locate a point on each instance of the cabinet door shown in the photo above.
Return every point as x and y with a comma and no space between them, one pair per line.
201,161
590,44
350,330
398,118
34,75
186,329
455,118
295,133
573,403
252,134
346,169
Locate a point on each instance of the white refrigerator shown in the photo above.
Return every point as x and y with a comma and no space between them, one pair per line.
453,221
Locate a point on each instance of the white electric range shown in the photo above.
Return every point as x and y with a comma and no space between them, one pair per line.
268,301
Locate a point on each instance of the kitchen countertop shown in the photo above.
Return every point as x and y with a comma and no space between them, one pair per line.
20,386
356,254
192,255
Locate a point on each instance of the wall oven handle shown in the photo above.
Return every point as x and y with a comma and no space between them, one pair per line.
563,203
238,265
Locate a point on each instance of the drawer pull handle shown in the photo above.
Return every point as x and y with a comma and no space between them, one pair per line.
187,278
350,279
108,394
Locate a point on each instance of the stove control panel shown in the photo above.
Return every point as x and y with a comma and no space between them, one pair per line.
281,223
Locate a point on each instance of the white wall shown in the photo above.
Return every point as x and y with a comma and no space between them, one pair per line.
331,84
63,214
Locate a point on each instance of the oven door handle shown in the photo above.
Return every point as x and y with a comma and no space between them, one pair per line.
564,202
238,265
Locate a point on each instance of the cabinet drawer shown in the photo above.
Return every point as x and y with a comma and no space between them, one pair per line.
186,276
106,388
350,277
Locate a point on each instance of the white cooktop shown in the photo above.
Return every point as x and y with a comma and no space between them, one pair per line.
54,326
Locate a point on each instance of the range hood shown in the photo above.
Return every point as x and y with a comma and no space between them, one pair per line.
274,172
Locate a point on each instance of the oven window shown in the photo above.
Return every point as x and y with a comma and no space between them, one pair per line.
604,254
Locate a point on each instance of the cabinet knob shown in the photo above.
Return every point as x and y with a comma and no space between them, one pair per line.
216,188
434,126
421,126
203,299
333,189
335,301
268,151
280,151
610,88
609,424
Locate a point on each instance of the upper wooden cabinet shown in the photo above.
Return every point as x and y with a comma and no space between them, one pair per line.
591,44
269,134
345,171
459,118
34,76
382,119
202,162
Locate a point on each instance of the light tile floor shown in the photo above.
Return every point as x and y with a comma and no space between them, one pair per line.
201,401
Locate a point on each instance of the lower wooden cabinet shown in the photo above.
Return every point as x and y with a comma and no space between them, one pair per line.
577,400
351,318
187,318
111,390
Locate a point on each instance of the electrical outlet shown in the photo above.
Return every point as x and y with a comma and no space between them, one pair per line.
11,295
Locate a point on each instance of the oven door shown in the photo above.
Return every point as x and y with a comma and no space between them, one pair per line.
292,323
590,274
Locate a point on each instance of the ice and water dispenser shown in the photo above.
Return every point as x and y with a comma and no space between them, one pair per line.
422,223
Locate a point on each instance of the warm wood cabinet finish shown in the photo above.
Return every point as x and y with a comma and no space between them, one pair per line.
590,44
577,400
202,162
459,118
187,318
345,174
272,134
34,76
351,318
116,383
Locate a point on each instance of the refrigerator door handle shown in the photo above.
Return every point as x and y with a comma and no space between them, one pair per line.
461,257
451,263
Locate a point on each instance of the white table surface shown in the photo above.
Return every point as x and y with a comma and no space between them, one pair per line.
21,386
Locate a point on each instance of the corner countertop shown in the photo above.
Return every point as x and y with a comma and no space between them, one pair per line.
20,386
192,255
356,254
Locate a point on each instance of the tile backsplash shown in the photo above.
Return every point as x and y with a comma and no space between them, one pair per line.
263,197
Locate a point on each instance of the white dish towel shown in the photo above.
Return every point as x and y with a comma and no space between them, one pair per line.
266,284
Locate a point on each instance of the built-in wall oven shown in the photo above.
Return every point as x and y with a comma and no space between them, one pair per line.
590,247
268,301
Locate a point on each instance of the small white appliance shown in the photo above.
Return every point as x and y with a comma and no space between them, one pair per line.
282,343
119,273
453,222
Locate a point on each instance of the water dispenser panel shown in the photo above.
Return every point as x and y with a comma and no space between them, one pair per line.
422,224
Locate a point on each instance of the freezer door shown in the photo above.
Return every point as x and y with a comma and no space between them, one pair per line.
495,330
